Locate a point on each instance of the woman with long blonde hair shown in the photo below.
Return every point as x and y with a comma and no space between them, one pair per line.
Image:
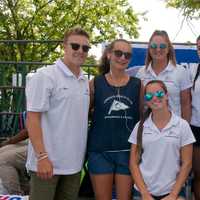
161,65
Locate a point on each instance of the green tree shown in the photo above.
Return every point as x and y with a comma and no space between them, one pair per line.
91,66
48,19
190,8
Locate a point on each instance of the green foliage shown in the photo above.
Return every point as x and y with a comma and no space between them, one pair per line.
44,20
91,66
48,19
190,8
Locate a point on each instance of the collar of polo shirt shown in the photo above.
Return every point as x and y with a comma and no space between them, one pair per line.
66,70
168,68
173,122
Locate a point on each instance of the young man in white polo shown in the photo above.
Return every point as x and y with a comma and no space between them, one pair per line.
57,119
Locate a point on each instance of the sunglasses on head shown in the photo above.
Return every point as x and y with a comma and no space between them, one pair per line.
119,53
155,46
149,95
76,47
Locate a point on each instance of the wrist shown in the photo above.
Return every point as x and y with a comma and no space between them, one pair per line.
42,158
144,193
41,154
173,195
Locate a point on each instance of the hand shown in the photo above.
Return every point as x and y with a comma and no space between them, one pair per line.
147,196
45,169
170,197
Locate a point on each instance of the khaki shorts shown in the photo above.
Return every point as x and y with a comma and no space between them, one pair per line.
59,187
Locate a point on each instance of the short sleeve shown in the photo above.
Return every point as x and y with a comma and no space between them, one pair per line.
187,136
185,78
192,70
141,73
132,71
133,137
38,91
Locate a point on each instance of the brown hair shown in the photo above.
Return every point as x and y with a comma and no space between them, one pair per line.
171,54
75,31
143,116
105,62
198,70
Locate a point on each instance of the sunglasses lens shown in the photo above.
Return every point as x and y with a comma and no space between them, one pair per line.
153,45
127,55
75,46
85,48
163,46
148,96
118,53
160,94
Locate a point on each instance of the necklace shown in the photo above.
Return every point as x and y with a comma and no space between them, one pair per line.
120,103
116,85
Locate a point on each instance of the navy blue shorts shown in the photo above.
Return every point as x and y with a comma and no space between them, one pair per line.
109,162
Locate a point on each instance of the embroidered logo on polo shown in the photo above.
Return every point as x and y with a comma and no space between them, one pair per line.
172,134
86,92
147,133
117,105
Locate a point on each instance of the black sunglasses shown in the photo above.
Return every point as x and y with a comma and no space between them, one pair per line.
119,53
76,47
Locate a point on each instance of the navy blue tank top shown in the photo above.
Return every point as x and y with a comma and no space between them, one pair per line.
116,111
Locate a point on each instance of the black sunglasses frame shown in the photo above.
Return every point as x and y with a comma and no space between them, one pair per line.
119,53
76,47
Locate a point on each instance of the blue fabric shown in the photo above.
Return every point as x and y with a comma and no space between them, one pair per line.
116,111
182,56
109,162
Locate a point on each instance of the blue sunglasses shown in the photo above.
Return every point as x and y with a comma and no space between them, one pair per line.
149,95
161,45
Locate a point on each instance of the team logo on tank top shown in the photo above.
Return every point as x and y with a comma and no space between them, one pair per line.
117,105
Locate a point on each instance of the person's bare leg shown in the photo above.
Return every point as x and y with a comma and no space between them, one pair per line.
102,186
124,185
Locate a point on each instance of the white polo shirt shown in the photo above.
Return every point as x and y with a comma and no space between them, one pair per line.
63,100
195,119
176,79
161,157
